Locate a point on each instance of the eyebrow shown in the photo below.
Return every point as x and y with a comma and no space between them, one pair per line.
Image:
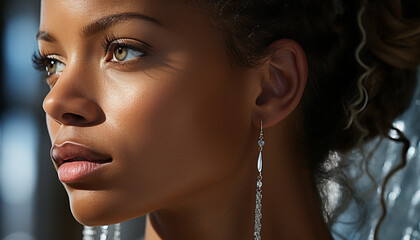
44,36
102,24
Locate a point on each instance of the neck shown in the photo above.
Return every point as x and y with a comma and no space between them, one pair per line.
225,210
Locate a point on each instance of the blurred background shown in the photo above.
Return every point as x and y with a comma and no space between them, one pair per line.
402,193
34,205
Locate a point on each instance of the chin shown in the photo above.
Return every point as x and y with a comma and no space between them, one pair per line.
92,216
92,208
98,208
88,219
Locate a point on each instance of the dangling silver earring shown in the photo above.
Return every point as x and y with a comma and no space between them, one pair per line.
258,202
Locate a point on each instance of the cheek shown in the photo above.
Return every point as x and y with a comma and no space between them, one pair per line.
174,135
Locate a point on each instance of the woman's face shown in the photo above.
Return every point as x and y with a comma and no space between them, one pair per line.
144,107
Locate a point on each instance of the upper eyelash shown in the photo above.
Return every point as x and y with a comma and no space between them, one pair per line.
111,38
39,61
107,42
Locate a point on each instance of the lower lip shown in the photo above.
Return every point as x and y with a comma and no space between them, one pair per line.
75,171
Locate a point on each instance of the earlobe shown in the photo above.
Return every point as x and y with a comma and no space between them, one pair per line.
286,73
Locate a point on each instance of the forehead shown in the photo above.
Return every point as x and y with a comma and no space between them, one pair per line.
74,13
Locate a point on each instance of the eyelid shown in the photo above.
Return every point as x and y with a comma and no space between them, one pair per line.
114,45
52,56
55,57
113,39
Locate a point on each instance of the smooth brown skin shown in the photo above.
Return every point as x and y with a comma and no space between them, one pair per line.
181,125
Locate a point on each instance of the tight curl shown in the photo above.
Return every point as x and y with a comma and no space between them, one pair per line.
348,100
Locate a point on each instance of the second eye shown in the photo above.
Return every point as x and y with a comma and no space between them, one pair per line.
125,54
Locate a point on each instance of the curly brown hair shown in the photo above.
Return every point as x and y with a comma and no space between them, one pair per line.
339,110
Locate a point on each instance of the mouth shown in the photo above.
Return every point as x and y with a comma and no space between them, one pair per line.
74,152
75,162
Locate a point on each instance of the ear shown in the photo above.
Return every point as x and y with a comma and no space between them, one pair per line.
284,79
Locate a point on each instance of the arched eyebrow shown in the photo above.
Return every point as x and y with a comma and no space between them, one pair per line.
44,36
102,24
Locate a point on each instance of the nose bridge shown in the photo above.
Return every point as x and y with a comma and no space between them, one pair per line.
73,99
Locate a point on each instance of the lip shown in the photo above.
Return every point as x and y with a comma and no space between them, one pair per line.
75,161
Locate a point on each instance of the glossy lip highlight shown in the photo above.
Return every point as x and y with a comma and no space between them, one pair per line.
75,161
72,152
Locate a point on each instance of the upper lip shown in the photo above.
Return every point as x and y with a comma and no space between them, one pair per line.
70,152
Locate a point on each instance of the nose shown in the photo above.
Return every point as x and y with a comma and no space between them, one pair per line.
72,102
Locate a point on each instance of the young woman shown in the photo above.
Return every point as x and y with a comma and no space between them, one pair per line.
169,108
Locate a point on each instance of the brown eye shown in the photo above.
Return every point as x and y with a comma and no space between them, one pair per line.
120,53
51,67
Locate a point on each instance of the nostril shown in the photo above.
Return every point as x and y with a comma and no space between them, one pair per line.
72,118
